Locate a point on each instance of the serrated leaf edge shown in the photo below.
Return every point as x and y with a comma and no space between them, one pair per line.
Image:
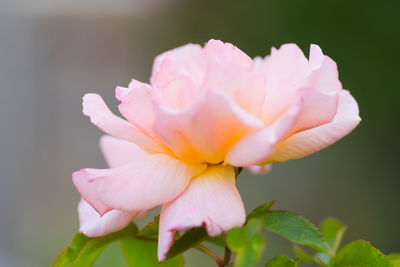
312,224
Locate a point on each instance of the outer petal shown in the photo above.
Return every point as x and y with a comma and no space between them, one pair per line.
146,183
102,117
318,108
93,225
136,105
86,181
173,84
190,57
257,147
286,70
119,152
323,72
315,58
307,142
211,200
206,131
221,53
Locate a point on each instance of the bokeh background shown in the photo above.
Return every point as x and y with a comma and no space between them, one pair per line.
53,52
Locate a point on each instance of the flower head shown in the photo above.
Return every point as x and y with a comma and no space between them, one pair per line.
207,110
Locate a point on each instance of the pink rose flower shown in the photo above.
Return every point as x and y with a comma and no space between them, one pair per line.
206,111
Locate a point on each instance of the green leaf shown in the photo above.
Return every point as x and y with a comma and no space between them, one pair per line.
302,254
333,232
72,251
395,259
322,258
282,261
261,210
394,256
291,226
295,228
143,253
187,241
246,242
360,254
83,251
151,229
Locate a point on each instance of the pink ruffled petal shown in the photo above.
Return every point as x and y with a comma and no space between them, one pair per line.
286,70
94,225
256,148
211,200
324,74
239,85
318,108
315,58
118,152
307,142
101,116
206,131
87,181
221,53
145,183
191,59
136,105
176,76
173,84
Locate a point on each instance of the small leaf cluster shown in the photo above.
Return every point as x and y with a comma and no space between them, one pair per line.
325,242
139,248
246,243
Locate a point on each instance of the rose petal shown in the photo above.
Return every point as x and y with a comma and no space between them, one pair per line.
146,183
324,73
241,86
100,115
211,200
173,84
315,58
119,152
221,53
257,147
94,225
191,59
307,142
318,108
206,131
136,105
286,70
86,182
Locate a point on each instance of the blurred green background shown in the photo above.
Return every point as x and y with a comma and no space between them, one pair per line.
53,52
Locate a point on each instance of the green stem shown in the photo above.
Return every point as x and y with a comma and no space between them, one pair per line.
227,256
211,254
